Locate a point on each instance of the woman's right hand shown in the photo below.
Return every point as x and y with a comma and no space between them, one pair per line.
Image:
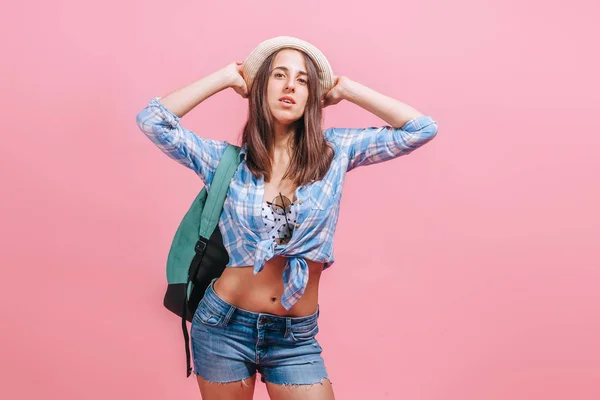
235,77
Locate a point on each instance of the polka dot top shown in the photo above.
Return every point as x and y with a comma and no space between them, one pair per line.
275,222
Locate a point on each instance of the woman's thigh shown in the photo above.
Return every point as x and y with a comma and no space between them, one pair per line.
294,368
242,390
316,391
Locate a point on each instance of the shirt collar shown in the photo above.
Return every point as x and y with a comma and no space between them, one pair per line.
242,154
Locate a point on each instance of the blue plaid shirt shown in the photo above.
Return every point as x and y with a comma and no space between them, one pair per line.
245,235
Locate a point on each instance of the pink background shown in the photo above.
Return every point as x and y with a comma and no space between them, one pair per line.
468,270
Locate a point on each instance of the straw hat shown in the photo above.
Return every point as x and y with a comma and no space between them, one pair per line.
255,59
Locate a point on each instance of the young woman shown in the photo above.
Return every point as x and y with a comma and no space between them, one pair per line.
281,211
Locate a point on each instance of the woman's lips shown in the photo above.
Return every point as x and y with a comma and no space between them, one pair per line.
286,105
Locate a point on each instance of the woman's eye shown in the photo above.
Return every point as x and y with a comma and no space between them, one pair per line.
279,74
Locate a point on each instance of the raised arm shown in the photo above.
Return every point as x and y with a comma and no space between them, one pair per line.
181,101
408,129
160,121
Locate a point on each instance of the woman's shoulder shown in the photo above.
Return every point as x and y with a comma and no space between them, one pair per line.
330,134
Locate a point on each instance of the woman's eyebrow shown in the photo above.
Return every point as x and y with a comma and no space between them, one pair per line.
287,70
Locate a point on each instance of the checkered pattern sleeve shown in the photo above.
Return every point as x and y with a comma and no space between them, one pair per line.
366,146
163,128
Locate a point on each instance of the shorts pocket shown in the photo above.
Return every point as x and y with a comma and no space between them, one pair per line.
302,335
206,316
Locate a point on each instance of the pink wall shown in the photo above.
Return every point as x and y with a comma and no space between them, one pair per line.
481,284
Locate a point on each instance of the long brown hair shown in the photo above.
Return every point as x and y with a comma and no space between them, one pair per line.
312,155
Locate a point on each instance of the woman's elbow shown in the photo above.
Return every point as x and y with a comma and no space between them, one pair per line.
425,132
430,131
150,125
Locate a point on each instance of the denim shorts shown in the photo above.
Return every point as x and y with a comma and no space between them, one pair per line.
230,344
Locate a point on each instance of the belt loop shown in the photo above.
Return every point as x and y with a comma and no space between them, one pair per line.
228,315
288,327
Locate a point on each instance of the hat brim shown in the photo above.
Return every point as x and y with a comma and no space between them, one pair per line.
257,57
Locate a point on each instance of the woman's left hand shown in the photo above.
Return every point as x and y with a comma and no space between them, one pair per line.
337,92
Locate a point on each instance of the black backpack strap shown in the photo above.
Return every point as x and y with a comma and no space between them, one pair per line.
186,336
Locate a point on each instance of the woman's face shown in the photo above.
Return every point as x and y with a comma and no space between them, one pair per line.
288,78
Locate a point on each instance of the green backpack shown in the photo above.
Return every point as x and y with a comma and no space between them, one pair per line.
197,254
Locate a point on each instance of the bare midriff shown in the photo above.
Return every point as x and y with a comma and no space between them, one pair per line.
261,293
